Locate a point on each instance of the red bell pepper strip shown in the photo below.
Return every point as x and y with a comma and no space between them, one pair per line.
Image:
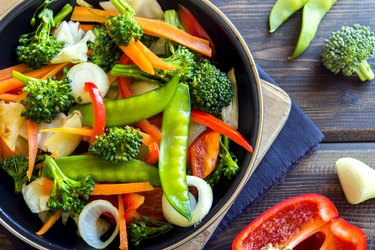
124,83
153,153
292,221
218,125
99,110
193,27
132,202
203,153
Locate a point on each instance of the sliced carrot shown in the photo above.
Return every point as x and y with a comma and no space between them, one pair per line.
137,57
155,61
122,223
150,129
121,188
85,131
32,134
55,70
162,29
8,72
83,14
146,138
10,84
6,152
111,78
153,153
49,222
54,154
86,27
13,97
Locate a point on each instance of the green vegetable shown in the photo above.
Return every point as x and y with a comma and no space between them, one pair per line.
313,12
62,14
122,28
67,194
117,144
227,164
16,167
146,228
79,166
282,10
133,109
105,53
173,149
45,98
39,47
348,49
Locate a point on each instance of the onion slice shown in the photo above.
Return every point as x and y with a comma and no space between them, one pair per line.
200,210
87,223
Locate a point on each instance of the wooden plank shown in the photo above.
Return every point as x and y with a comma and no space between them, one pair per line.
342,107
316,173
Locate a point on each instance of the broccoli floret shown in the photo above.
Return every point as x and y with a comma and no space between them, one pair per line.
67,194
146,228
117,144
105,53
45,98
38,48
348,49
16,167
227,164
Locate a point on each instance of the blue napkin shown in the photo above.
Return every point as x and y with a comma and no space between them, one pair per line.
297,138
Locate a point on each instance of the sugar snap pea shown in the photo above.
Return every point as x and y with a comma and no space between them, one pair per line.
282,10
79,166
133,109
313,12
173,149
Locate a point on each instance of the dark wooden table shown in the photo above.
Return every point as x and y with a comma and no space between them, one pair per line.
343,108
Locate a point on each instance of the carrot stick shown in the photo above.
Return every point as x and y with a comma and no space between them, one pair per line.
86,27
155,61
153,153
150,129
55,70
122,223
32,133
162,29
121,188
49,222
8,72
146,139
10,84
83,14
75,131
12,97
137,57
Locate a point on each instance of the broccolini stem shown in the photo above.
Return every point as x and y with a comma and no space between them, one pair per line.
364,71
23,78
123,7
62,14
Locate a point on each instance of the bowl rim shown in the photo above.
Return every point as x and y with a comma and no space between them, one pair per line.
251,165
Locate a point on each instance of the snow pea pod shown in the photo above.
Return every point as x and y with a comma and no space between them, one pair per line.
79,166
133,109
173,150
313,12
282,10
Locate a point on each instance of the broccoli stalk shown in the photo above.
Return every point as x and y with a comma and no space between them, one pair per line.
227,164
145,228
16,167
45,98
348,49
67,194
39,47
117,144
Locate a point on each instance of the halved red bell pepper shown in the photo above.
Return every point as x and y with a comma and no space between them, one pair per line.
203,153
193,27
218,125
99,109
294,220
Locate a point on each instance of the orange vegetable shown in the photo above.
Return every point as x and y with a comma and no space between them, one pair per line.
8,72
137,57
86,27
85,131
83,14
132,202
122,223
155,61
153,153
49,222
121,188
150,129
32,134
13,97
162,29
55,70
6,152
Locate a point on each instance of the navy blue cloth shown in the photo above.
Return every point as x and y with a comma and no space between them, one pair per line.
297,138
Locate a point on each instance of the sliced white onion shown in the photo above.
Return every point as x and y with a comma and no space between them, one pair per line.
141,87
87,72
34,196
230,112
195,130
199,211
88,219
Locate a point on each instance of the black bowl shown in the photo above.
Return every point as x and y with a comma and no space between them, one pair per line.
231,52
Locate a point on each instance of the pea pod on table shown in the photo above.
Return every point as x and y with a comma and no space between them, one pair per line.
282,10
173,150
